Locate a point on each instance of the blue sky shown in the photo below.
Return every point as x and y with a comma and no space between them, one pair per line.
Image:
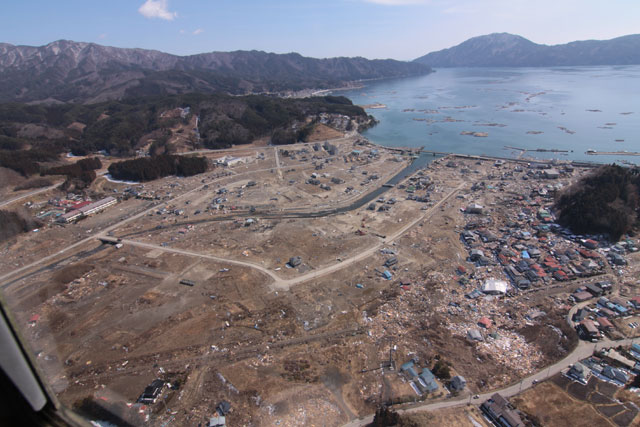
400,29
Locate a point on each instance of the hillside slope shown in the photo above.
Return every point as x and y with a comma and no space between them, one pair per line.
508,50
67,71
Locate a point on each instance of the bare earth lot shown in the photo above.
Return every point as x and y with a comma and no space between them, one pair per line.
285,346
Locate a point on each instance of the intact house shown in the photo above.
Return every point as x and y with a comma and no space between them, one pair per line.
425,382
588,330
500,412
579,372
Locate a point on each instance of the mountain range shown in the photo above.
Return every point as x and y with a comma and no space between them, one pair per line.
67,71
508,50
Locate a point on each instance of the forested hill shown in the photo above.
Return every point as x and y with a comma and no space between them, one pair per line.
67,71
508,50
33,134
606,201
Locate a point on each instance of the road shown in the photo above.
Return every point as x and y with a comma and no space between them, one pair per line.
583,350
32,193
103,232
278,282
203,256
285,284
275,152
90,238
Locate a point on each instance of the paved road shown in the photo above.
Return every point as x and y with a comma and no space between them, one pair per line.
582,351
32,193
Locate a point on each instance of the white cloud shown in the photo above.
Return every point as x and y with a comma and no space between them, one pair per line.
157,9
198,31
182,31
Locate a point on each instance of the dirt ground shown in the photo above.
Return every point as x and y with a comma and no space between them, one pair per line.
552,406
563,402
463,417
104,322
323,132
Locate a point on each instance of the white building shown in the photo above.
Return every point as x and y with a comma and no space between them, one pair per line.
495,287
87,210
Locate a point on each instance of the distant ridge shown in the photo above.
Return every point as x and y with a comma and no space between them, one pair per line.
67,71
508,50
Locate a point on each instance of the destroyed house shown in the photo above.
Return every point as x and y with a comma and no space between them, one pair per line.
474,208
217,421
151,392
223,407
458,383
487,236
468,236
391,261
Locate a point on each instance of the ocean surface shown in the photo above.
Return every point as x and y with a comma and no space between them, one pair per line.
563,108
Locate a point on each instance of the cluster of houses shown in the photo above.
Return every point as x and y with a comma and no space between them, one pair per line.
616,366
594,320
533,249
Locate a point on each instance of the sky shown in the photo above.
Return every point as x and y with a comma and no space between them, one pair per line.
398,29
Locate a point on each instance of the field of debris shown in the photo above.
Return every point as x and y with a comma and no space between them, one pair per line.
291,283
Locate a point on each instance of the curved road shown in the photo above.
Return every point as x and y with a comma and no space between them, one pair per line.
583,350
285,284
32,193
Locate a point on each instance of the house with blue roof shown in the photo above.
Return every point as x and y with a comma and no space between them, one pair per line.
405,366
429,380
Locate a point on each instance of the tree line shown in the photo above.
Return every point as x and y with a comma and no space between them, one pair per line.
79,175
603,202
150,168
117,127
12,224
